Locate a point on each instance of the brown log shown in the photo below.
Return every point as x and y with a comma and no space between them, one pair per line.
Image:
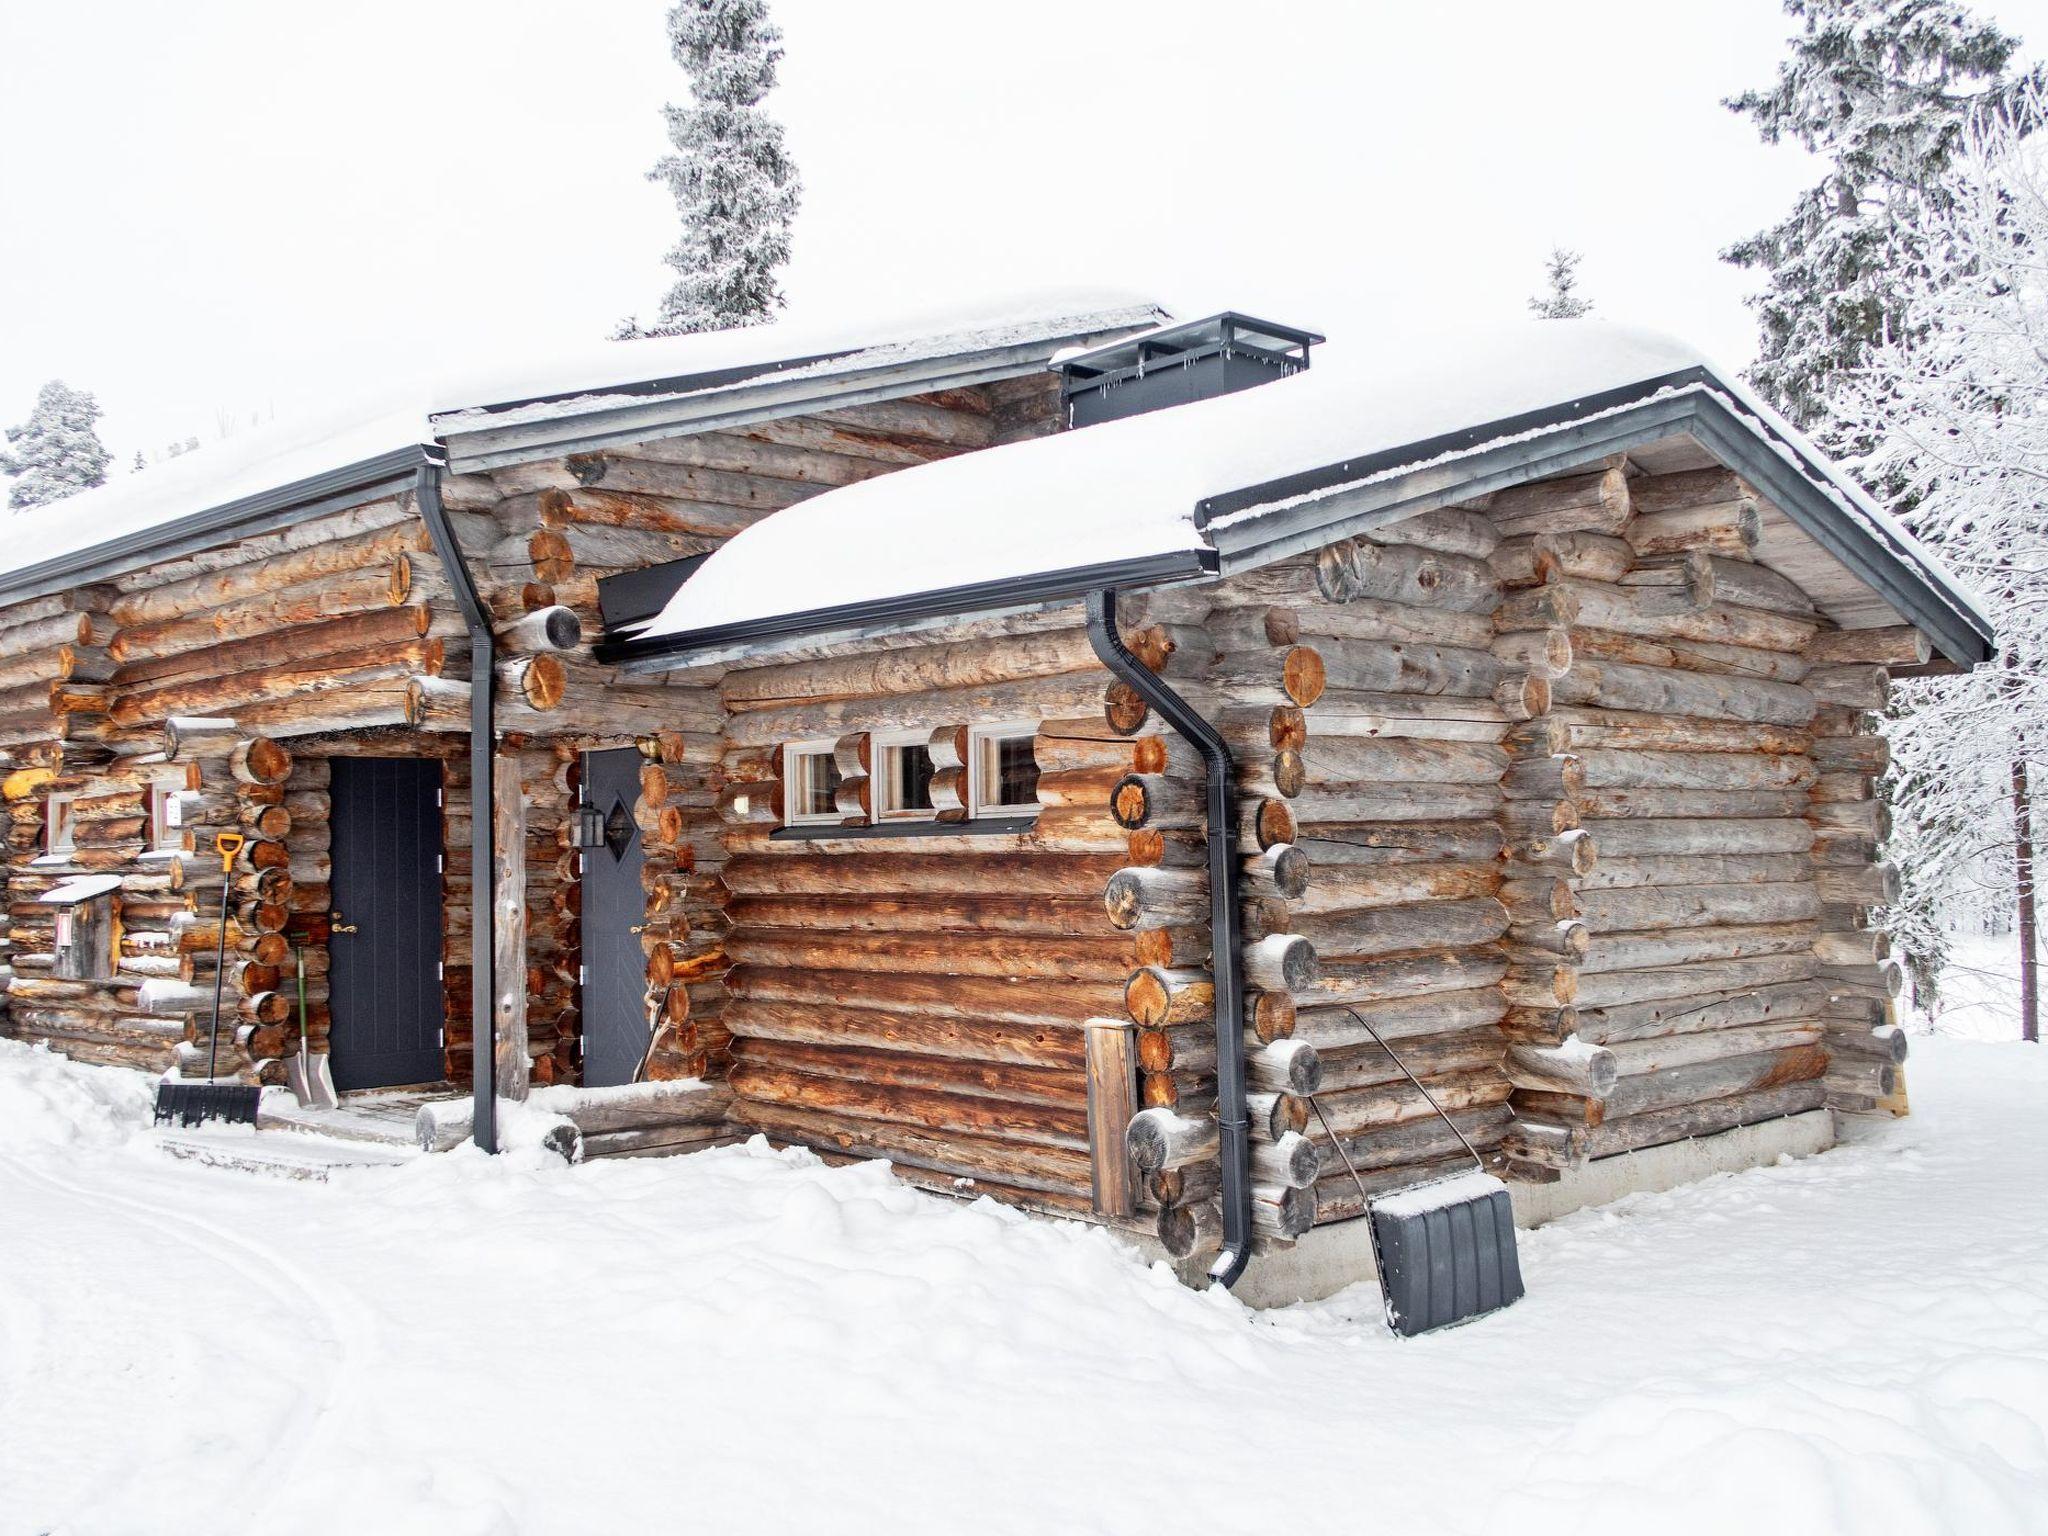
1591,503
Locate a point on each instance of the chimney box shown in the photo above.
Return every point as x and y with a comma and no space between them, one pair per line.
1177,364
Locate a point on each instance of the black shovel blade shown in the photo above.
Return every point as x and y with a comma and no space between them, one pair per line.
191,1103
1448,1262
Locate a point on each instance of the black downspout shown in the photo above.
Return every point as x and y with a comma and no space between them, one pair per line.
482,807
1225,928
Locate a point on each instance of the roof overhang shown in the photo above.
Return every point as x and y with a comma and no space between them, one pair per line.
547,425
901,614
476,444
298,501
1260,524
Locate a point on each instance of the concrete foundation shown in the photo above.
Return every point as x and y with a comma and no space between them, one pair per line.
1333,1257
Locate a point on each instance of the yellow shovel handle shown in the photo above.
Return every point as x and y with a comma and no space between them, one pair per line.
227,845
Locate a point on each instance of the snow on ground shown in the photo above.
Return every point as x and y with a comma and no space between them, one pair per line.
745,1339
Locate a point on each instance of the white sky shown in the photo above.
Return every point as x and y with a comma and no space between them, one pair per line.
255,207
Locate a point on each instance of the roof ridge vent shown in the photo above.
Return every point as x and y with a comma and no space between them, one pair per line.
1177,364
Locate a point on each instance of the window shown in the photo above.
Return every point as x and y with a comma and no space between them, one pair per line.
903,777
57,824
810,784
165,819
1002,770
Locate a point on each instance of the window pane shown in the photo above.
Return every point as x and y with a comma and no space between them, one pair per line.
910,779
817,781
1009,771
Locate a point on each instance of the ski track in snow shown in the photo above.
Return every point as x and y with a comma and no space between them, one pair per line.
265,1481
746,1339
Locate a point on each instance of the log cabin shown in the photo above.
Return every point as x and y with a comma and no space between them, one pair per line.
1096,762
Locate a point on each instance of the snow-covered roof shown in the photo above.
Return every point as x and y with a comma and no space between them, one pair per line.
525,389
1134,489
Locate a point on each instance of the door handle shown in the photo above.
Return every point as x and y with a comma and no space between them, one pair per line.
336,925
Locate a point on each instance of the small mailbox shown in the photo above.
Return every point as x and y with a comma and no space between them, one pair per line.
84,947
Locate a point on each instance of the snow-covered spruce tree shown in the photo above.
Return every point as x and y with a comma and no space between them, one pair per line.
1956,412
733,181
55,453
1561,272
1881,89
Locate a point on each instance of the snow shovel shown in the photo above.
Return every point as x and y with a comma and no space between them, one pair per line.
306,1074
190,1103
1444,1248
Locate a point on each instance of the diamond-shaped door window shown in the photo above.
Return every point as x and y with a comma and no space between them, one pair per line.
618,829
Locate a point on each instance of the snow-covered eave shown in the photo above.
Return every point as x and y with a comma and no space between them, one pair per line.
903,612
349,485
1259,524
557,424
485,439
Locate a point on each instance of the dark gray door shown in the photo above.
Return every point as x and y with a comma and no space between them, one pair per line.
385,953
614,907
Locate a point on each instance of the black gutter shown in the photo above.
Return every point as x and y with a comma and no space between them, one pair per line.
670,651
1225,930
483,1022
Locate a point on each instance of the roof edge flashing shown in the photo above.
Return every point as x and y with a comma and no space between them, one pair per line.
663,653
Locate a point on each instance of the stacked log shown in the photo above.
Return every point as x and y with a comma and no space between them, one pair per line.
925,998
561,525
1866,1047
1679,741
684,941
308,802
554,944
1366,704
313,634
54,669
241,783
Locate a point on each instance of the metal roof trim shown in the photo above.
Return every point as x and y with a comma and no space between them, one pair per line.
971,599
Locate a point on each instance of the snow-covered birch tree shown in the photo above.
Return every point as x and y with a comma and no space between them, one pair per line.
1559,301
1955,409
1881,89
56,452
736,189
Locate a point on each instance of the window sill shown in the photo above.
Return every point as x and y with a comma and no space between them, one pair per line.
987,826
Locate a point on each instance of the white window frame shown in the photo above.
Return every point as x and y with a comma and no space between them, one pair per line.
816,747
58,822
880,745
978,806
164,813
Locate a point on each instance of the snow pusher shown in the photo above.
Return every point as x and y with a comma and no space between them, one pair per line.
190,1103
1444,1248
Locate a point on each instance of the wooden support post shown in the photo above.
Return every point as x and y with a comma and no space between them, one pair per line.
1112,1100
508,854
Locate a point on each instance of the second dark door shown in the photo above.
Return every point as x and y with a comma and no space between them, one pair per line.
614,908
385,950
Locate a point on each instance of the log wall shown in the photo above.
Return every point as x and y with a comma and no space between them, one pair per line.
341,634
925,998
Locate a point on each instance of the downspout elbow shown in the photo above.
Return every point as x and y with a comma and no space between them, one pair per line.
1226,936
